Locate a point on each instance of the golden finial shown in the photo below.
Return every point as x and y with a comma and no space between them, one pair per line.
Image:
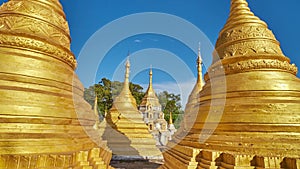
150,97
127,72
126,93
127,65
171,118
150,78
199,67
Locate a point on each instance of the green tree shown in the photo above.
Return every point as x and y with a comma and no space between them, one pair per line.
137,92
171,103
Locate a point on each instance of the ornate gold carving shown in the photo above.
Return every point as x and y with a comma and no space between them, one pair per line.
245,32
251,65
248,48
37,9
247,41
38,45
36,19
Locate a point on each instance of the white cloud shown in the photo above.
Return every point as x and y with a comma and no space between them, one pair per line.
138,41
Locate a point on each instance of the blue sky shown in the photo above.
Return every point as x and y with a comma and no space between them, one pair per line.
178,26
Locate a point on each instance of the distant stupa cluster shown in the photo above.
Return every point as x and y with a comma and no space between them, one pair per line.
245,114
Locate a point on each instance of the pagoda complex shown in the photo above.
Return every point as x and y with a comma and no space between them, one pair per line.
248,112
153,115
44,120
127,134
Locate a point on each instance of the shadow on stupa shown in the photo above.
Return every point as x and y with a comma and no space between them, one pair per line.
119,143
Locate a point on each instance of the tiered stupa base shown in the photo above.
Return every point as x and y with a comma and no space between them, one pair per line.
133,145
186,157
97,158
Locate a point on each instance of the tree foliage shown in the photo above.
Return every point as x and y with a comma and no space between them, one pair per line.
107,90
171,103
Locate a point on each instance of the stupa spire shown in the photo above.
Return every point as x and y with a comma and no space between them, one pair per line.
190,108
127,73
150,78
150,97
199,68
171,118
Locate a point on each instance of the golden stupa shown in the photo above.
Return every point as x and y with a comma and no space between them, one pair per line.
44,120
127,134
259,124
192,107
150,98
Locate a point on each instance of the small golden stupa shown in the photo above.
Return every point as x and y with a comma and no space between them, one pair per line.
44,120
150,98
259,124
127,134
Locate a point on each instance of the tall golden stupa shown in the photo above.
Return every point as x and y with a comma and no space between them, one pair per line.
192,107
44,120
258,123
127,134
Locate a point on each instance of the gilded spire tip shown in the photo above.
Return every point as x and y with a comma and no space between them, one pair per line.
127,71
150,80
